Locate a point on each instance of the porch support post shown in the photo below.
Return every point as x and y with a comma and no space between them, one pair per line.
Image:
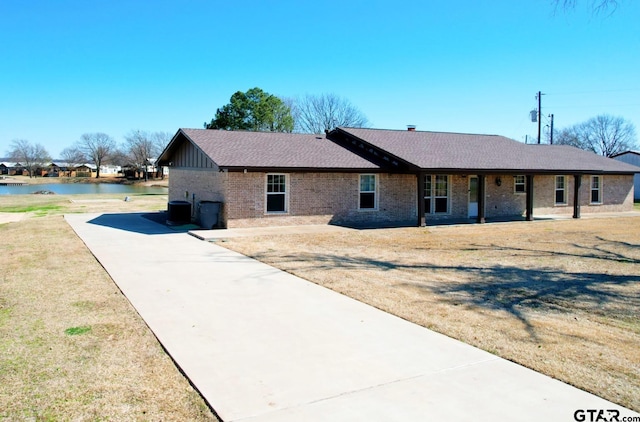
421,219
529,188
481,198
576,195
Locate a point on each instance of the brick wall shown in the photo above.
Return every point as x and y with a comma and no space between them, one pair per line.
321,198
459,205
617,195
194,185
501,201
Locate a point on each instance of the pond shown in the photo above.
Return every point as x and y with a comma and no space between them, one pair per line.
83,188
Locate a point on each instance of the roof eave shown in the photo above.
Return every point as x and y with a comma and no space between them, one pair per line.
515,171
267,169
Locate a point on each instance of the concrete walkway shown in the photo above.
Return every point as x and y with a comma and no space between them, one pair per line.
263,345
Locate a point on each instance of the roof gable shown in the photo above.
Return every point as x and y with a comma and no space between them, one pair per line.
266,150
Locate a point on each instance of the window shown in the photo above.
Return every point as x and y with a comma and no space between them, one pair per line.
519,184
436,194
368,192
596,190
276,193
427,194
561,190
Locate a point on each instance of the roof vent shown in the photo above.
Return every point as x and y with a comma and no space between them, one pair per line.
411,128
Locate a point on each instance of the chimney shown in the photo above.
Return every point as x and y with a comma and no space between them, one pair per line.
411,128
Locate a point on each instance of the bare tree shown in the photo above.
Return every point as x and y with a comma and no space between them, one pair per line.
120,157
570,136
319,113
604,134
140,149
598,6
98,147
160,141
73,157
29,155
143,148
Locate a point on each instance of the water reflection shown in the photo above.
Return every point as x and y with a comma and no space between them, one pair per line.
83,188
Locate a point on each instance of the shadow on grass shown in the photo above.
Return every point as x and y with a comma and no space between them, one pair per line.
603,251
511,289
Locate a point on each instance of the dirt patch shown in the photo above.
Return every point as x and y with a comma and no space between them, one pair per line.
560,297
9,217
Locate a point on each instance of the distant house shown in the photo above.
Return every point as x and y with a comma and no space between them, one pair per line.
85,170
632,157
150,169
5,167
372,177
10,168
110,170
56,169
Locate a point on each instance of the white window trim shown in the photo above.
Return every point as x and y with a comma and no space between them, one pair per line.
600,202
564,190
375,192
286,194
433,197
524,185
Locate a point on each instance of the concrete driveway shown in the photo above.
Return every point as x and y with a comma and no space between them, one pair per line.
263,345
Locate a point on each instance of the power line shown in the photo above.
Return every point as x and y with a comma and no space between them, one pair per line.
595,92
595,105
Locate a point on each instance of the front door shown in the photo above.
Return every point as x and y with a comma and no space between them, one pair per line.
473,197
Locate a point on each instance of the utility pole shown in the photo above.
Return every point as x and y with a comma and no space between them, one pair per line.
551,134
539,97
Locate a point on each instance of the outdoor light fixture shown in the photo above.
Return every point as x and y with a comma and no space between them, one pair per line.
498,181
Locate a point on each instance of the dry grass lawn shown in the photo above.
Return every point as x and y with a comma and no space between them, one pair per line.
71,345
561,297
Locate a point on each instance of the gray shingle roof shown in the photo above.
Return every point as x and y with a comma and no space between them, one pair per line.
444,151
435,151
274,150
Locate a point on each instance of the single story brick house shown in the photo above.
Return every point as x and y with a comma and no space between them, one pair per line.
374,177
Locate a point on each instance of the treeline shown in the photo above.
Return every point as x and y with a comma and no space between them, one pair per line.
139,150
253,110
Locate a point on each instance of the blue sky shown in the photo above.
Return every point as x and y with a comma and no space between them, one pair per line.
77,66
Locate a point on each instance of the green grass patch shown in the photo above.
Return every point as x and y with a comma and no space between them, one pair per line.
38,209
4,315
76,331
85,304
